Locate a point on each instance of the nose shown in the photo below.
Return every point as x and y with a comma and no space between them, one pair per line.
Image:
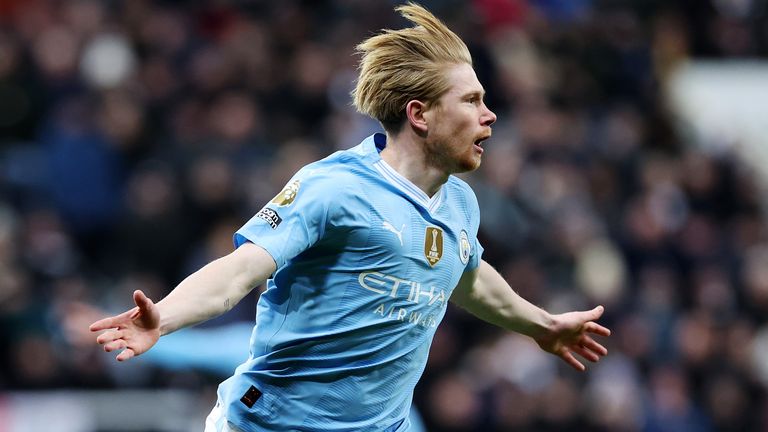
488,118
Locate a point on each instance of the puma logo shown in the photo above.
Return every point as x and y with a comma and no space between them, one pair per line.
388,226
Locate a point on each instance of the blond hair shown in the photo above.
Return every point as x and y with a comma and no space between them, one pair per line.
398,66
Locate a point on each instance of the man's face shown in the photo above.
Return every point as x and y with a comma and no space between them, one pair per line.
458,123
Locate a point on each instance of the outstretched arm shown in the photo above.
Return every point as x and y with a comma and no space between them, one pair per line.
484,293
209,292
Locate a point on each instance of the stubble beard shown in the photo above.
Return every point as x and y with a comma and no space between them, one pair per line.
450,163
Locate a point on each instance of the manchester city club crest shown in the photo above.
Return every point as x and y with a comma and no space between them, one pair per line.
433,245
464,247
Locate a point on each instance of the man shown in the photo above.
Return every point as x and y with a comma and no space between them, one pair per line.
364,249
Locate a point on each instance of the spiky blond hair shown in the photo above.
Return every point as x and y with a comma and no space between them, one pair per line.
398,66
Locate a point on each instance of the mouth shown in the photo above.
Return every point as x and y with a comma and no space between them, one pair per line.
479,143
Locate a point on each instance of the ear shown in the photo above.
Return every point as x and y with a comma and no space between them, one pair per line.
415,110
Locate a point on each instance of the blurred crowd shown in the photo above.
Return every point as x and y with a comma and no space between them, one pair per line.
137,136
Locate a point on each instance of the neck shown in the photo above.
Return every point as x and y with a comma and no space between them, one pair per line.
405,154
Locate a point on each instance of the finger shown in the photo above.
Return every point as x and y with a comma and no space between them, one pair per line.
115,345
125,355
597,329
592,345
587,354
109,336
111,322
106,323
571,360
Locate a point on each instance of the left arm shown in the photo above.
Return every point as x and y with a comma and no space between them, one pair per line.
485,294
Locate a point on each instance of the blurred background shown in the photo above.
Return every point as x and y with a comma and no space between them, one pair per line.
627,168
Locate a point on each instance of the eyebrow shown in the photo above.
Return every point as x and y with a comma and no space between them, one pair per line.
478,93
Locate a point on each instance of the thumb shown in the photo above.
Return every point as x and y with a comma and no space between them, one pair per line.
145,310
143,302
595,313
141,299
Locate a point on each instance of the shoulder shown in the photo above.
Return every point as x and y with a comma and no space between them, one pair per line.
462,191
329,181
336,171
462,198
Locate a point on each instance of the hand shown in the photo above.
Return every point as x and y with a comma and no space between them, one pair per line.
570,333
134,331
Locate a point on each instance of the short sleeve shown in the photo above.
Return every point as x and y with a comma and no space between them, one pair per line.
473,212
294,220
476,254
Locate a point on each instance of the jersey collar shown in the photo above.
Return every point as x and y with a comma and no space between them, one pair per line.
404,185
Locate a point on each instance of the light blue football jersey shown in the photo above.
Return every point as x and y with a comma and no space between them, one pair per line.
366,263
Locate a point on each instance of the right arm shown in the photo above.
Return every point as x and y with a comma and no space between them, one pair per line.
207,293
215,288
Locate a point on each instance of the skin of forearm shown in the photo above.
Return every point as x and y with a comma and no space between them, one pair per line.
214,289
491,299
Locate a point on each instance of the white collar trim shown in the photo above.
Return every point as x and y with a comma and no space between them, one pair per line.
408,188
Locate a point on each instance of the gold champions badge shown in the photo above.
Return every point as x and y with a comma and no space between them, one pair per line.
433,245
288,194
